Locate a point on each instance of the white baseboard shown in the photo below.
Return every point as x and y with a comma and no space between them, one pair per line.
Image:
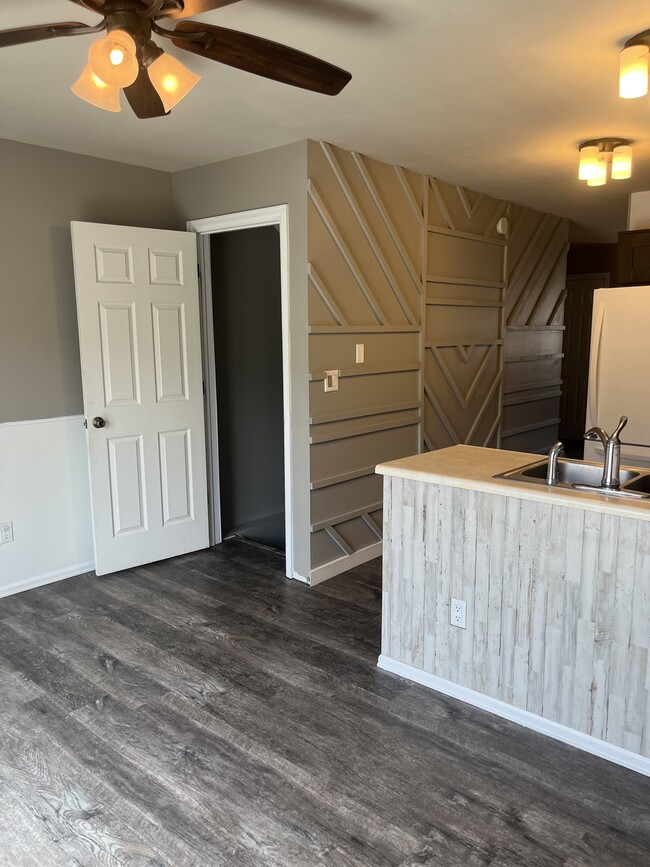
522,717
342,564
48,578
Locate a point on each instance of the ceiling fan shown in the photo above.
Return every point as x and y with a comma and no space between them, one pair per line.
128,59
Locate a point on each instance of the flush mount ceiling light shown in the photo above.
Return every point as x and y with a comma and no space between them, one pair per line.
128,59
597,154
633,79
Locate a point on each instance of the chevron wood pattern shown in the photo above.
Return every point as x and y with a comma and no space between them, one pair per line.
534,311
464,317
413,268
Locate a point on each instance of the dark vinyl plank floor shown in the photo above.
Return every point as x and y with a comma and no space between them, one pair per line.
205,711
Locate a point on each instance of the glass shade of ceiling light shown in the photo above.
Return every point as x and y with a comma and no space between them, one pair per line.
600,174
113,59
588,168
633,80
95,91
171,79
621,163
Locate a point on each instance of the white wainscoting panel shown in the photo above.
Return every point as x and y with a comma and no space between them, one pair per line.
44,493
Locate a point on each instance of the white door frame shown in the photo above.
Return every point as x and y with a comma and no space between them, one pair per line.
277,215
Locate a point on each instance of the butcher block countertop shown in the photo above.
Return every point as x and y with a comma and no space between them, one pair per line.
473,468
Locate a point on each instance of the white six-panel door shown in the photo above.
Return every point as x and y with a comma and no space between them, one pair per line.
139,332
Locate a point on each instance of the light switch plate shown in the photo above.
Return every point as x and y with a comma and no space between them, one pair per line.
332,380
360,353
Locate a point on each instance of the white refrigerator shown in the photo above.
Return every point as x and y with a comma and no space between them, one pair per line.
619,371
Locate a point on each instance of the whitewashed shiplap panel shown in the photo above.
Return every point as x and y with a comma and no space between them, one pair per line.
558,605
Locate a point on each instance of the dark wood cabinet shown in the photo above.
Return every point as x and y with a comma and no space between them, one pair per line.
634,257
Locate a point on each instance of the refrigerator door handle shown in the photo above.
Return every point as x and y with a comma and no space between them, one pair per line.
596,343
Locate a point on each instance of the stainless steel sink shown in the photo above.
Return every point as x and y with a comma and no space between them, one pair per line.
641,484
581,475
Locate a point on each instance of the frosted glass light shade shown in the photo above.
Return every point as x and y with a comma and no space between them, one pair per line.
113,59
600,176
171,79
622,163
95,91
588,168
633,81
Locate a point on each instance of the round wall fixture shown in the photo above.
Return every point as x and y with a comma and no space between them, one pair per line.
502,226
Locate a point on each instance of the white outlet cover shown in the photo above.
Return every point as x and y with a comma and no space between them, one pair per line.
458,613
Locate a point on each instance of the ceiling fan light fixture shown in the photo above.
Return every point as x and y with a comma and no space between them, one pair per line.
171,79
633,79
92,89
113,59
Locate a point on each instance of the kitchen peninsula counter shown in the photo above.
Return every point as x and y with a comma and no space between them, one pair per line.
473,469
557,588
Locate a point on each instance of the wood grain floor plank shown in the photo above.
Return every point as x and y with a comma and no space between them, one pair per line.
240,801
47,671
106,669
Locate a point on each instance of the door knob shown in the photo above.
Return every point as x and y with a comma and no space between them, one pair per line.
98,421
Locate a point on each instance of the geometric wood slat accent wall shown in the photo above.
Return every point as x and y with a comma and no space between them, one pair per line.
365,285
464,317
413,268
534,312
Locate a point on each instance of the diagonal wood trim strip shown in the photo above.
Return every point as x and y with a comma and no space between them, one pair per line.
345,252
368,234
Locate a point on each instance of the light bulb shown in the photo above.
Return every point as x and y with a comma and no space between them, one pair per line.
622,163
588,162
633,80
113,59
171,79
92,89
116,56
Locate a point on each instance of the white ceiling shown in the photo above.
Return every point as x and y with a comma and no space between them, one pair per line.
493,95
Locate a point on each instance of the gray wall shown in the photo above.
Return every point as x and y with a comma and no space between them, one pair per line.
273,177
41,191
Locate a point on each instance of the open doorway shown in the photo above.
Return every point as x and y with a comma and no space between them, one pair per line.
247,427
589,267
247,323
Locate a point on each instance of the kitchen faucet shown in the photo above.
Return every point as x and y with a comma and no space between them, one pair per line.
612,445
553,455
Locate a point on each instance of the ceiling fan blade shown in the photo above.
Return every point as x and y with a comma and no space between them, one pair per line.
143,98
38,32
196,7
263,57
92,5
